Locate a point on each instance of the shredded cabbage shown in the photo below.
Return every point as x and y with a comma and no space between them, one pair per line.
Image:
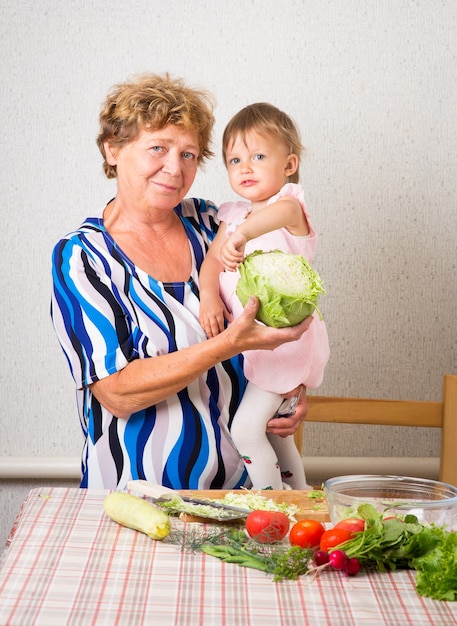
250,500
256,502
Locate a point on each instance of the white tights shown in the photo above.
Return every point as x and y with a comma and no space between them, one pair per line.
270,460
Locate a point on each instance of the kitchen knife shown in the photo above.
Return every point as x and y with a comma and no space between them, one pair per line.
215,510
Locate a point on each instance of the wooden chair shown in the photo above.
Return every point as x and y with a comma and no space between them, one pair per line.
395,413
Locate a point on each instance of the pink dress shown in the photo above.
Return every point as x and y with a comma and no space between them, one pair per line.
291,364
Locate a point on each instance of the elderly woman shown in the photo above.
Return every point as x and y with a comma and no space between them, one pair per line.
155,396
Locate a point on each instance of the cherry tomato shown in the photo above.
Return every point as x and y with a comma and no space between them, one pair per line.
334,537
354,524
267,526
306,533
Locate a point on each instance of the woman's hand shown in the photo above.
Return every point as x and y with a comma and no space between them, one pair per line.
285,426
246,333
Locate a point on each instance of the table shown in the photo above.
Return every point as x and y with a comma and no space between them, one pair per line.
66,563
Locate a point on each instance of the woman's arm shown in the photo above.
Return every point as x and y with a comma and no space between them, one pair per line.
145,382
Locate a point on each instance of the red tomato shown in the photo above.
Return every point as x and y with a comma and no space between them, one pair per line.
354,524
334,537
267,526
306,533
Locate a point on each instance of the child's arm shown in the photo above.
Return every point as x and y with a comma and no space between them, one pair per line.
285,213
212,309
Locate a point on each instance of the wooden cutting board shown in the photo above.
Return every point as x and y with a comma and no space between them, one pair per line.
310,508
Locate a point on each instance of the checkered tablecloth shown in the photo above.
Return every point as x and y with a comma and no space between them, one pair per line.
67,563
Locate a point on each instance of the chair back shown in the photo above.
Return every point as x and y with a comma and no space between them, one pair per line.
415,413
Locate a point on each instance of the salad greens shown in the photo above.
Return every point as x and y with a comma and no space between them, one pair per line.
394,543
286,285
390,543
437,570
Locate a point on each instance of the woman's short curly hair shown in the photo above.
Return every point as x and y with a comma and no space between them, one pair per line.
150,102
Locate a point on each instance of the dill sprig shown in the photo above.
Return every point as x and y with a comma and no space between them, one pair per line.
232,545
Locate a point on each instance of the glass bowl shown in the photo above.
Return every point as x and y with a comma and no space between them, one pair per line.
429,500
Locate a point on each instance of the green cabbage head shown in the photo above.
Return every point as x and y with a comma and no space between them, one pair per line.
285,284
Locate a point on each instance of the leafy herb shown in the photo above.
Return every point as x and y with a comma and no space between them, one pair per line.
194,536
291,564
392,543
233,546
437,570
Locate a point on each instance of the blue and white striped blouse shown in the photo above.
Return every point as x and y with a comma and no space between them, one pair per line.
108,312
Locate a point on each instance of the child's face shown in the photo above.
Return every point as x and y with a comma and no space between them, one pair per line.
258,166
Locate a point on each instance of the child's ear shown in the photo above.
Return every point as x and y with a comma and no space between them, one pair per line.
292,165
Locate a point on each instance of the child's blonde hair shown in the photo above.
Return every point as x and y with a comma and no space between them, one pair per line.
264,119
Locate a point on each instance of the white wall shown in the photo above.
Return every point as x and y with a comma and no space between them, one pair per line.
372,85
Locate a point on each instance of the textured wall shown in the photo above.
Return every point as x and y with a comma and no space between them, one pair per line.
372,85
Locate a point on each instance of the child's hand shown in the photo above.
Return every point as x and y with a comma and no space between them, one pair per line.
232,251
212,314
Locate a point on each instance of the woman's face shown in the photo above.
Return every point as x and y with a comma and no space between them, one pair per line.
156,170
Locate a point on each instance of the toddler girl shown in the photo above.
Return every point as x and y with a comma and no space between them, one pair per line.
261,150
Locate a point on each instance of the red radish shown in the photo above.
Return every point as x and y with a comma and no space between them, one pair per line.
338,559
320,557
352,567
